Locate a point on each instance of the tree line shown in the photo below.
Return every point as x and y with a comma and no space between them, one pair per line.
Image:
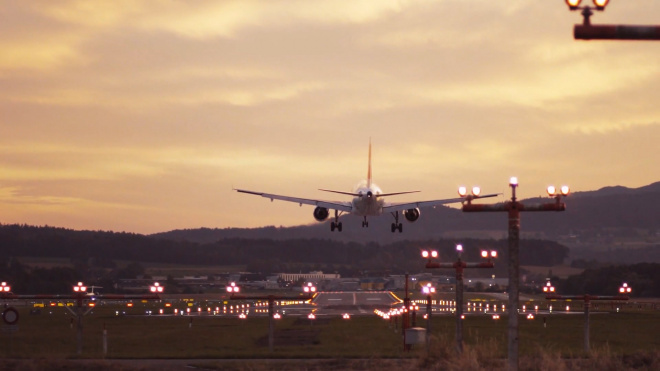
93,255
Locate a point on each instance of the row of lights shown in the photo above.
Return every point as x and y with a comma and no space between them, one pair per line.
624,289
575,4
80,288
233,288
552,190
459,248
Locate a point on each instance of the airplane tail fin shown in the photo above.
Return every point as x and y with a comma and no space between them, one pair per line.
369,170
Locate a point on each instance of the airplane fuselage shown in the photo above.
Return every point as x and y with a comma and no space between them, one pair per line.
368,203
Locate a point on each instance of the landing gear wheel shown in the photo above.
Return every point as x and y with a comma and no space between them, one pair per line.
400,228
393,227
336,224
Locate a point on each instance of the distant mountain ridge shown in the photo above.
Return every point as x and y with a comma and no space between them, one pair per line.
608,207
614,190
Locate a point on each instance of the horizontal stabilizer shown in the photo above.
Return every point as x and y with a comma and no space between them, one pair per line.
358,195
340,192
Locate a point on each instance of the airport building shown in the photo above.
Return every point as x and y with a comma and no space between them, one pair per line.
314,276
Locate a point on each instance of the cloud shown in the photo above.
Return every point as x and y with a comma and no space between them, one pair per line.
141,115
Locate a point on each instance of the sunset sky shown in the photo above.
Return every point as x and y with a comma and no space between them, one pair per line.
141,115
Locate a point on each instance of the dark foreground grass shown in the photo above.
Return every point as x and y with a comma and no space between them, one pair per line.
626,340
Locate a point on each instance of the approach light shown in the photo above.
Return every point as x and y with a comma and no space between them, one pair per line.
4,287
462,191
459,248
625,289
476,191
309,288
601,4
573,4
79,287
513,182
232,287
563,190
156,287
429,254
548,287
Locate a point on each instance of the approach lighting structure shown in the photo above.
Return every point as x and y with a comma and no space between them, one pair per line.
4,287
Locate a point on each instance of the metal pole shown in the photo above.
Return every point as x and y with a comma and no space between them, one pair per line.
405,318
616,32
514,277
429,311
79,335
271,324
587,304
105,341
459,306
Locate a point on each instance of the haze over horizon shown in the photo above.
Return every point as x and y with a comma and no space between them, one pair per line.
142,115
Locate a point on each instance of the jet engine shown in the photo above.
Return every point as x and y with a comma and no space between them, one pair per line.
321,214
411,214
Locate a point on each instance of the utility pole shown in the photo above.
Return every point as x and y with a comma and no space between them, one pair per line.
513,208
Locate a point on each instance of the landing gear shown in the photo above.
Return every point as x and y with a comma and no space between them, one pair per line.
396,225
365,223
336,224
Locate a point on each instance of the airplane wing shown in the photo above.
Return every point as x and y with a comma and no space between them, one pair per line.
422,204
334,205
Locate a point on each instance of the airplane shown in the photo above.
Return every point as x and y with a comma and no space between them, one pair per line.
368,200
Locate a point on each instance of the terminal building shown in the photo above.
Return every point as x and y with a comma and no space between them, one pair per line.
314,276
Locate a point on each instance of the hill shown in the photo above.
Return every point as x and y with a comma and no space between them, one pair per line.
97,248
